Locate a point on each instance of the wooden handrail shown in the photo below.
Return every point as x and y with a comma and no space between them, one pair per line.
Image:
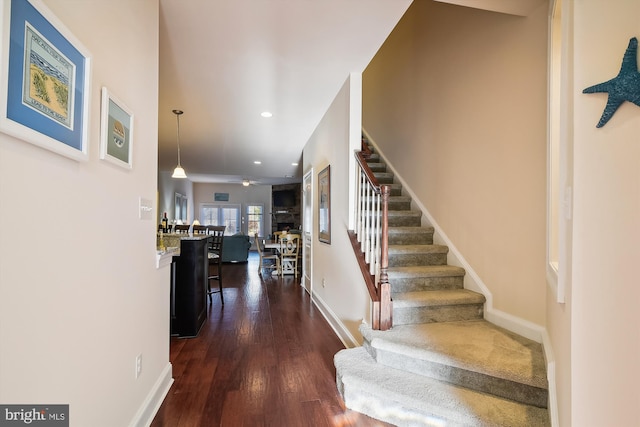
370,240
361,158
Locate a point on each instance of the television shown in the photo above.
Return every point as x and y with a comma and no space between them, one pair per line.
284,198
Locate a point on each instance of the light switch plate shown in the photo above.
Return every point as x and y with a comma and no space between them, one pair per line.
146,209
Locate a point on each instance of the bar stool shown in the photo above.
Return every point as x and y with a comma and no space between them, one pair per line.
216,240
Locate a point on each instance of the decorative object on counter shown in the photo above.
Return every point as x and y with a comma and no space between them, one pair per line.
45,80
178,172
116,131
160,245
624,87
165,222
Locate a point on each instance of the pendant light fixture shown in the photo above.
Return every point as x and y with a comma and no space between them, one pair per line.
178,172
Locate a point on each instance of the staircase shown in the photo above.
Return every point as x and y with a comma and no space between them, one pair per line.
441,364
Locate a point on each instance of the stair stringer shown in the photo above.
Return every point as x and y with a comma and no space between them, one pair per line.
472,281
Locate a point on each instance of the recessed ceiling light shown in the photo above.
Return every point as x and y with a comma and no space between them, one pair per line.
257,162
294,164
266,114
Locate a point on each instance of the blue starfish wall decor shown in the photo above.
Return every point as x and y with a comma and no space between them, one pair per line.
624,87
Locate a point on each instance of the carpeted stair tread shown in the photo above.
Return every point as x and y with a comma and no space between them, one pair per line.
425,277
437,298
477,346
413,235
410,230
396,198
405,213
405,399
395,214
400,198
424,271
396,189
377,166
399,229
413,249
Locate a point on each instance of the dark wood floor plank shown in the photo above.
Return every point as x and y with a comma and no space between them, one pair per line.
265,358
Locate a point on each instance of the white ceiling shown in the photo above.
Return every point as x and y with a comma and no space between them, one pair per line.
223,62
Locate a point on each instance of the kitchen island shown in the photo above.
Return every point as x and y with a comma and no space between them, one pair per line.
189,272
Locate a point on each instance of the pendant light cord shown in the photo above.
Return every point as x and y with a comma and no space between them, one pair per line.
178,113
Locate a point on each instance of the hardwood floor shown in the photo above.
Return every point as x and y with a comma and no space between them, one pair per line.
263,359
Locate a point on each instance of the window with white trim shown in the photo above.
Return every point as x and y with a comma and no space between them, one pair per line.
219,214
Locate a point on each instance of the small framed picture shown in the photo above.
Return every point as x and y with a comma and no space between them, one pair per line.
45,76
324,205
116,129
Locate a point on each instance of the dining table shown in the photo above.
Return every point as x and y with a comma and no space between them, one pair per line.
270,244
288,268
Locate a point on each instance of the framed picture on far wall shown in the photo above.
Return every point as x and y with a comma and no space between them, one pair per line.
44,80
116,129
324,205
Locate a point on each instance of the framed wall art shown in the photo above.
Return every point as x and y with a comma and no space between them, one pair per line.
220,197
324,205
116,131
44,80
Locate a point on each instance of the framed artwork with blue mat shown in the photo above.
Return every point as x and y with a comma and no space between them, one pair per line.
45,80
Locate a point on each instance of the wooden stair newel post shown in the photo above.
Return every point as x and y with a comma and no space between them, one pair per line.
384,289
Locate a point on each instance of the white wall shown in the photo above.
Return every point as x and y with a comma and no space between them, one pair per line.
338,287
605,338
80,296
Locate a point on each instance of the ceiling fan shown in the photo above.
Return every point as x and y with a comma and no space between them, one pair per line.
245,182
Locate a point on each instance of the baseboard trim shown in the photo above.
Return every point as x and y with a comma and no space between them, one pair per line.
551,379
154,399
348,340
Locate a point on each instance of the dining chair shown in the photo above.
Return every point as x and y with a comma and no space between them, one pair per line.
289,249
200,229
214,254
267,260
181,228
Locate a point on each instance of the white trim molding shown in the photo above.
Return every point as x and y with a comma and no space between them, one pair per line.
336,324
154,399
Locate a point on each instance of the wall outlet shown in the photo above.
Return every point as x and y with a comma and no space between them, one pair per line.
138,365
323,282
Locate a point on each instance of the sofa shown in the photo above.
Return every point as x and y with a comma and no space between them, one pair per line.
235,248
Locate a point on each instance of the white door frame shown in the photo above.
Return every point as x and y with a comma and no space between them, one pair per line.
307,231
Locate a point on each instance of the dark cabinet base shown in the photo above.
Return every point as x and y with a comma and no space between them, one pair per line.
188,287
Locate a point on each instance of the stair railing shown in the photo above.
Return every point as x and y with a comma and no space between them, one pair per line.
370,240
